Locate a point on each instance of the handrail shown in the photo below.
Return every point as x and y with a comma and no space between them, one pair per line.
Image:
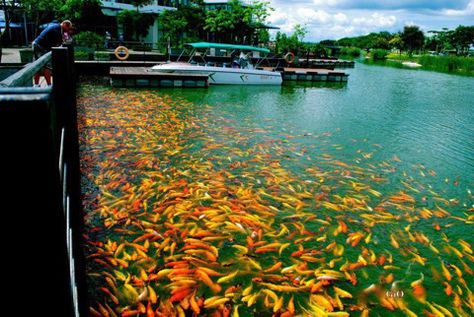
23,76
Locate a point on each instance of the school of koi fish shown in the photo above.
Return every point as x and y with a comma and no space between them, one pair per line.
192,214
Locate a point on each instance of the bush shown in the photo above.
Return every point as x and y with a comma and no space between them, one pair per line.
379,54
350,51
142,47
102,56
89,39
81,56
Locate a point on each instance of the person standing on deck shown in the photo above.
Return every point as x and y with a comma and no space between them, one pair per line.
53,35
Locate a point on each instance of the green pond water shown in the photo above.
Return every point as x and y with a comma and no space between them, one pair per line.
422,117
387,131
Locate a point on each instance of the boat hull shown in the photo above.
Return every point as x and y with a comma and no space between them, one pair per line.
224,76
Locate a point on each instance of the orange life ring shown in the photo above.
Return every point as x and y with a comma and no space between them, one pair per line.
121,52
289,57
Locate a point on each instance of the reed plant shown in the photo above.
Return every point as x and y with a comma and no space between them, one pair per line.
448,64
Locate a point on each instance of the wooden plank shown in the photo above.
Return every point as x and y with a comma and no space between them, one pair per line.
25,75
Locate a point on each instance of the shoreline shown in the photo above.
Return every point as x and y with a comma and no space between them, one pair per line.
431,63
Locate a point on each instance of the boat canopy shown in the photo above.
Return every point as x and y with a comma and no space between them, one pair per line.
228,46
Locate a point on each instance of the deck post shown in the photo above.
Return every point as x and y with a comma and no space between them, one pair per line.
64,92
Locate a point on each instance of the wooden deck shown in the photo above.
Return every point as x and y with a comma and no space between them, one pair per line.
142,77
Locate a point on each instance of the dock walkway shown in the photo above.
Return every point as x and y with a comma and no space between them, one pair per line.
311,74
143,77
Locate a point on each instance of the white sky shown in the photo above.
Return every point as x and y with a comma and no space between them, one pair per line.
334,19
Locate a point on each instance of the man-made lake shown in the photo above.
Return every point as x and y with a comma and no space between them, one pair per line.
303,199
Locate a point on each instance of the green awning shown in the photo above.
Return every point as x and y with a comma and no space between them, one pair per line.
228,47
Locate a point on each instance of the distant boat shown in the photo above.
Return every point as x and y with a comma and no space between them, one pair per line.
411,64
241,72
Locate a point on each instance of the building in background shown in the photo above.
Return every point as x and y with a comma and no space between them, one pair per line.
111,8
224,4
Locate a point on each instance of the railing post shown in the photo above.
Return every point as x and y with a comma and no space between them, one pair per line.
64,92
28,163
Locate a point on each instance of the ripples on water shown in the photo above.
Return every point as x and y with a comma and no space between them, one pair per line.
319,171
424,117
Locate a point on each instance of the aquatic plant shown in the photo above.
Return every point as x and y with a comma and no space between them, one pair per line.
448,64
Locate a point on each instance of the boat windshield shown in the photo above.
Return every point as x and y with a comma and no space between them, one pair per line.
219,54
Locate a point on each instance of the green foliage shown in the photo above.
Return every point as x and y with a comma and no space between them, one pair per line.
239,24
40,11
351,51
89,39
396,42
448,64
81,55
102,56
292,43
369,41
412,38
86,15
173,24
378,54
33,7
139,3
134,23
399,57
141,47
462,37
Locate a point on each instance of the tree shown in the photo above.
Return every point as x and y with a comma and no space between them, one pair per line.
173,24
292,43
135,24
413,38
139,3
8,7
396,42
239,23
42,11
462,37
86,15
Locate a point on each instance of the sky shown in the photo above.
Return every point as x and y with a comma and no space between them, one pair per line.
335,19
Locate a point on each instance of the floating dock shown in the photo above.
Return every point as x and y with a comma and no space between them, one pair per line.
312,74
326,63
142,77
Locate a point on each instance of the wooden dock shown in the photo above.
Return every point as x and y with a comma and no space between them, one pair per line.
312,74
325,63
142,77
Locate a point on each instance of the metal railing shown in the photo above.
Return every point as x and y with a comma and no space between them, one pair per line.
39,137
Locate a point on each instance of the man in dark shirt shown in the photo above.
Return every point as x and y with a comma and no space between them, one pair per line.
51,36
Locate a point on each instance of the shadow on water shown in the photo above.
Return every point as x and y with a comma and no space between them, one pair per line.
293,86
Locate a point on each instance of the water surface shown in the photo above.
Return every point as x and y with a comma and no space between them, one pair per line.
243,200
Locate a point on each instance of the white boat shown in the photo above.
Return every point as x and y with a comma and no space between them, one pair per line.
411,64
241,72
